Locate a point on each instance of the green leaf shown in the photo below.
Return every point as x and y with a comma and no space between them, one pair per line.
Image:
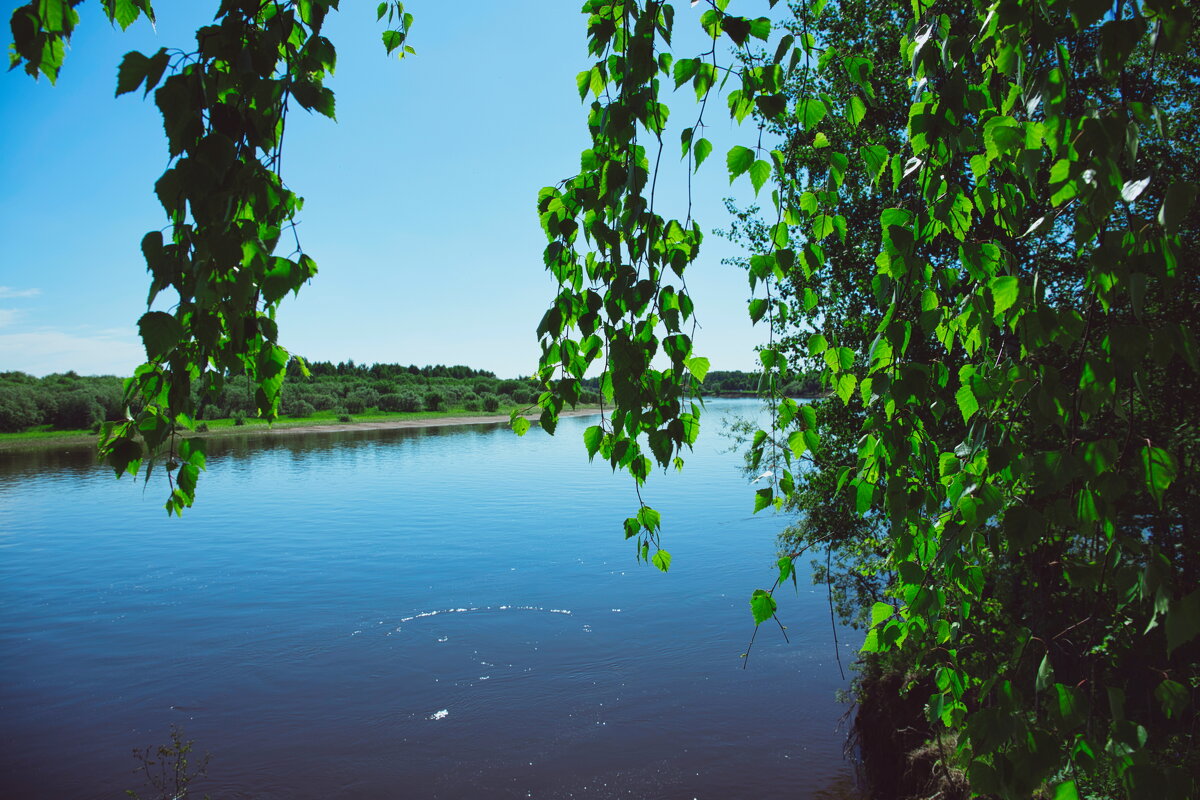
160,332
786,568
122,12
763,498
519,424
155,69
1183,621
760,28
1002,135
762,606
649,519
1045,674
698,366
662,560
810,111
875,158
314,97
131,72
701,150
1066,791
392,40
880,613
822,226
845,387
758,307
1159,471
864,496
1173,697
685,69
738,160
592,437
967,403
1178,201
760,171
856,110
1005,289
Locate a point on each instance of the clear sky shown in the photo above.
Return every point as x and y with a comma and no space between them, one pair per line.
420,201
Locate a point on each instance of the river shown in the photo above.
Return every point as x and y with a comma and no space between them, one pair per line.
434,613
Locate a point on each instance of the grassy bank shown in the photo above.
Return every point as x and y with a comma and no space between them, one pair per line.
43,437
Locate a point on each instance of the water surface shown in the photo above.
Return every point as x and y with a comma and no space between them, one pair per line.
440,613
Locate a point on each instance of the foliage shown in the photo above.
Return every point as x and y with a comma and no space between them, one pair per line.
1000,328
169,769
71,402
224,106
66,401
990,254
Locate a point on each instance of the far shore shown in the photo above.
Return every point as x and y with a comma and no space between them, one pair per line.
52,441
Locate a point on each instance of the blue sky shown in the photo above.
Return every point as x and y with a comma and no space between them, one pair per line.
419,201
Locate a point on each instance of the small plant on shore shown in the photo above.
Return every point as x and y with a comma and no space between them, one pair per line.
169,769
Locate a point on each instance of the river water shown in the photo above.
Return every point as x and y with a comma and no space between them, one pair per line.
439,613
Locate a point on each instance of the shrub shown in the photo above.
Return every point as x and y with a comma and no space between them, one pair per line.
301,408
473,405
434,401
238,419
345,418
361,399
18,409
321,400
76,411
491,402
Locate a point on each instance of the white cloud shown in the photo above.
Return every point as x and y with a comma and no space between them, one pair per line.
42,352
8,292
8,316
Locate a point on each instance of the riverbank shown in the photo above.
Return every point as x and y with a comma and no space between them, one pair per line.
53,440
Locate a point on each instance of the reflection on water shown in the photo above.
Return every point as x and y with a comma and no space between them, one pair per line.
445,612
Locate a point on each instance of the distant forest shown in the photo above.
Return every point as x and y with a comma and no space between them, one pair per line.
67,401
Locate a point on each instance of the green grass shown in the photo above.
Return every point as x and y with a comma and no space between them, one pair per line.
371,415
44,436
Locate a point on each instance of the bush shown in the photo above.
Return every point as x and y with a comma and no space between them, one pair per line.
399,401
434,401
473,405
76,411
18,409
238,419
321,400
491,402
301,408
360,400
345,418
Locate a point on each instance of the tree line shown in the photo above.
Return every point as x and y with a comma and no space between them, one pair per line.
69,401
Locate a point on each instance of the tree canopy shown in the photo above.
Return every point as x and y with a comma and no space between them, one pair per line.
978,220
